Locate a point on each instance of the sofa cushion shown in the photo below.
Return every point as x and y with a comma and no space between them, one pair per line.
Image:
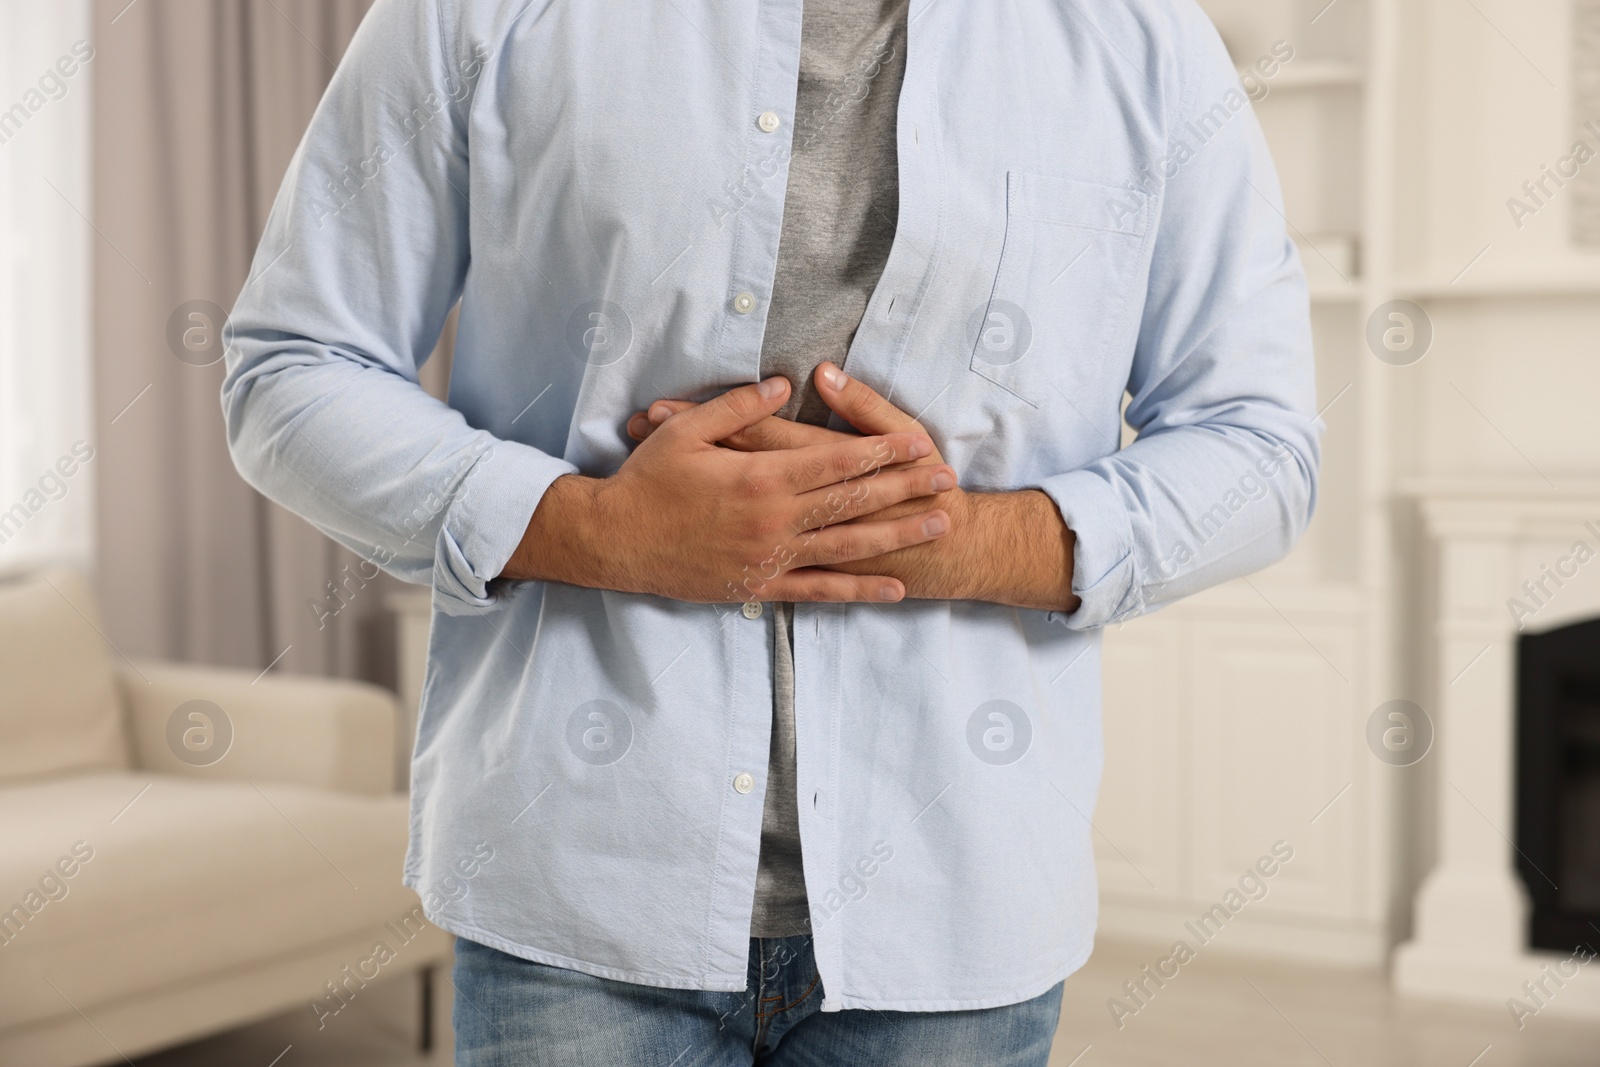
59,709
182,879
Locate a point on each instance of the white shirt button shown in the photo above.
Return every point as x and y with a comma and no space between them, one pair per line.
751,610
743,783
768,121
744,303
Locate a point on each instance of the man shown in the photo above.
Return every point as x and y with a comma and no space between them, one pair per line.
778,503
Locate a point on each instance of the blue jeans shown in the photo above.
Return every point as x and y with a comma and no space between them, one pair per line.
510,1012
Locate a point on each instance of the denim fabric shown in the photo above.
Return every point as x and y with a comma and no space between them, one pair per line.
511,1012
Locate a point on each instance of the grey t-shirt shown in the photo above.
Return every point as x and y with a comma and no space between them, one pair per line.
838,224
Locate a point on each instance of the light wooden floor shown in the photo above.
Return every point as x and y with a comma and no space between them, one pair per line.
1245,1012
1220,1011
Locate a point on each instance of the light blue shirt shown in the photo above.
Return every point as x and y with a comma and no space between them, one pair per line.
1087,207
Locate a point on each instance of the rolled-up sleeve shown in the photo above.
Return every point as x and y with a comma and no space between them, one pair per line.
1221,480
365,252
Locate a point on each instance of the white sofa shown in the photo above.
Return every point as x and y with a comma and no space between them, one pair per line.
146,899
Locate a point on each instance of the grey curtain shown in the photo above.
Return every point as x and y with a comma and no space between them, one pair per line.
198,108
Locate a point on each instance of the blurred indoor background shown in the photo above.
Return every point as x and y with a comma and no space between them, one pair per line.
206,706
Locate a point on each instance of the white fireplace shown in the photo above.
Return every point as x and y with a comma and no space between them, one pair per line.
1502,559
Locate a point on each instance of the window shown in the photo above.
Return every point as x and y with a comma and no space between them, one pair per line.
46,486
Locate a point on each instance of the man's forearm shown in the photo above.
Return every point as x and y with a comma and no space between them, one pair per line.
1017,551
556,546
1007,548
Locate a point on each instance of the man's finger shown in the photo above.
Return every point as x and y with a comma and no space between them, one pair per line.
812,585
643,423
868,496
733,411
838,545
769,435
861,406
662,410
810,468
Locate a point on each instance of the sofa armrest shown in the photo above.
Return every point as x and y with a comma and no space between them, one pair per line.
307,731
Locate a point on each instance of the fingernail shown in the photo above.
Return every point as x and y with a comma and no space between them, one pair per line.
888,592
770,388
935,525
943,480
659,413
919,449
637,425
835,377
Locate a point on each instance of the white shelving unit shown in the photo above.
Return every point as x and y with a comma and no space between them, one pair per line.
1237,718
1491,441
1407,126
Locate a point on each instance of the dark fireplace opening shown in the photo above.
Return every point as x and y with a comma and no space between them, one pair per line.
1558,784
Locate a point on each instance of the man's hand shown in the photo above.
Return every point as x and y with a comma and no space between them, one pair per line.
686,519
1006,548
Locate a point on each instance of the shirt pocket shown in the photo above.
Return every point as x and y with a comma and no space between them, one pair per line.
1072,251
